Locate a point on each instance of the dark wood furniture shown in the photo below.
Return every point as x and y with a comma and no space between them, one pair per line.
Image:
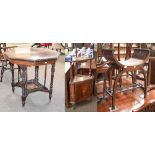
133,64
4,62
80,86
151,70
25,57
68,69
149,107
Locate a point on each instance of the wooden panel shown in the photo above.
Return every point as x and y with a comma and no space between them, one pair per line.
81,91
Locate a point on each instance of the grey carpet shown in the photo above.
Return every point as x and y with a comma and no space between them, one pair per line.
35,102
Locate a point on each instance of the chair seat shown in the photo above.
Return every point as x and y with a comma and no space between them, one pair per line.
132,62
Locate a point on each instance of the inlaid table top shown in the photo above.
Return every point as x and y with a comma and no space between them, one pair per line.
31,56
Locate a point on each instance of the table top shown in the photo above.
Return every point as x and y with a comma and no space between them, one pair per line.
31,56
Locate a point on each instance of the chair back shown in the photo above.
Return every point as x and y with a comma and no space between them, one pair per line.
108,54
141,53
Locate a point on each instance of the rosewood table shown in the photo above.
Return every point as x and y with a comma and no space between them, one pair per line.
26,57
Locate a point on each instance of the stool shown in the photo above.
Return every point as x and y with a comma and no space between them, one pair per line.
133,64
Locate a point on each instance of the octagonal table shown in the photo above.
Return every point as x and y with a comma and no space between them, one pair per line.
25,57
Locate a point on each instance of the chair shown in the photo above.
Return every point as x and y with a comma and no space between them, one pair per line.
101,68
5,62
133,64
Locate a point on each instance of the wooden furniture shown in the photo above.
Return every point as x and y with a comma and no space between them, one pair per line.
136,62
80,86
150,107
5,62
124,50
25,57
151,71
102,67
68,69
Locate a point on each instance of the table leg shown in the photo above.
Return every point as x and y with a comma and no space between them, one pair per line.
19,73
51,84
2,71
13,82
36,73
24,84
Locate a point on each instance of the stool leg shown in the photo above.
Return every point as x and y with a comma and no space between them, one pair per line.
13,82
104,87
2,71
133,75
145,82
114,88
110,78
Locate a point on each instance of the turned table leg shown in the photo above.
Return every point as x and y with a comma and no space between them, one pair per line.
13,82
24,84
19,73
36,73
52,77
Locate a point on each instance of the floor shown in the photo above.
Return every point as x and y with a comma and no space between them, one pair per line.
35,102
85,106
127,101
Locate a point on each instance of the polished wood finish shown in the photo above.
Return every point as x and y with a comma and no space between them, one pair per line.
136,62
31,56
128,101
149,107
25,57
151,72
81,88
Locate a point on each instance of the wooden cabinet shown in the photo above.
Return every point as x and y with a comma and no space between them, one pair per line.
81,88
80,85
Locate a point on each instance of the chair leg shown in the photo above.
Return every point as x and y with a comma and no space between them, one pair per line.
104,88
19,73
133,75
145,82
2,71
114,88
